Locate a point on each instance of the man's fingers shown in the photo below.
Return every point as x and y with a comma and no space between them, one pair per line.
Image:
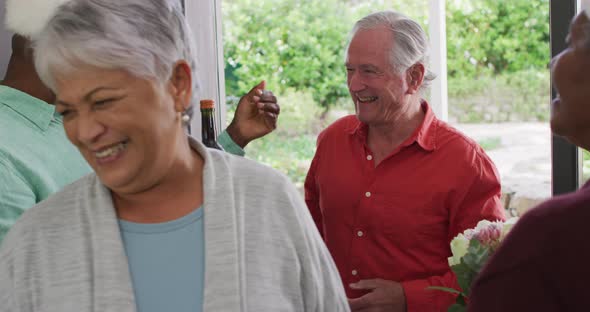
366,284
360,303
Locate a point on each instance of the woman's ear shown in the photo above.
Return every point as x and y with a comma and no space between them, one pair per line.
180,85
415,77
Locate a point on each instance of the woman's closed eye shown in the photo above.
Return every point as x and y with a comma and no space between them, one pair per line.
103,103
64,112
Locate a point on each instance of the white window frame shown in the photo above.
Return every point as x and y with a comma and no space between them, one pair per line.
204,18
438,59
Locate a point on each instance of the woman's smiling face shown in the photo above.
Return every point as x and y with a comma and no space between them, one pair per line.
124,126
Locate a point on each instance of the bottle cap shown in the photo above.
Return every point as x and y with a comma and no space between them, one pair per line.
207,104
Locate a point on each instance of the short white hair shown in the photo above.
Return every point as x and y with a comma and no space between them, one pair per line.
410,43
144,37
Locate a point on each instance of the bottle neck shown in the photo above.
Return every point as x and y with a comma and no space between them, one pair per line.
208,132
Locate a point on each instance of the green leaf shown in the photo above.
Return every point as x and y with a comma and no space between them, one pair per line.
465,275
446,289
461,300
477,255
457,308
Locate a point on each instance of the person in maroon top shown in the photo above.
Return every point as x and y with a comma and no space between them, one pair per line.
390,187
542,265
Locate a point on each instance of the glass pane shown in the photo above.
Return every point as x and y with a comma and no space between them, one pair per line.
298,48
498,80
499,90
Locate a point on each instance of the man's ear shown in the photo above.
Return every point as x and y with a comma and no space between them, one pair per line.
415,77
180,85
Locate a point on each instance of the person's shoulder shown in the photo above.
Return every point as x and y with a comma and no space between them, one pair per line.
255,181
555,224
54,213
11,131
564,213
453,141
243,168
340,127
448,135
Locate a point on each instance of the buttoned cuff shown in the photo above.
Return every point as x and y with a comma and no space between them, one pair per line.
229,145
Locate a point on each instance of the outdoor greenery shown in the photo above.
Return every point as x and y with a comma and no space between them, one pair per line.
497,36
498,52
586,164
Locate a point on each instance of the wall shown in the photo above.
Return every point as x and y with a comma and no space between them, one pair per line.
4,42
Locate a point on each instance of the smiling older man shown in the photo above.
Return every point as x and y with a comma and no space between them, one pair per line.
390,187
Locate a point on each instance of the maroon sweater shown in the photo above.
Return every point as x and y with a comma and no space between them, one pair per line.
544,263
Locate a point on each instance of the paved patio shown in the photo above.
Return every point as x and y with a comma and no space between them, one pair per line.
523,158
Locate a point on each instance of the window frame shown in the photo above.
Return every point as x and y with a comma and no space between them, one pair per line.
204,18
565,160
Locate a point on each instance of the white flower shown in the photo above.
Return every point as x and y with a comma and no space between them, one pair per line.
482,225
459,247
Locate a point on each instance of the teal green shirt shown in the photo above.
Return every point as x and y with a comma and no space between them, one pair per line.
36,158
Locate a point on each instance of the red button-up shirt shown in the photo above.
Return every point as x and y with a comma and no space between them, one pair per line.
396,221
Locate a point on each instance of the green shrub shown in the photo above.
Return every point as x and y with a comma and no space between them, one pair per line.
496,36
299,113
518,96
290,155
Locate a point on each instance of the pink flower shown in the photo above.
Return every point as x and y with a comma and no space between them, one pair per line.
490,234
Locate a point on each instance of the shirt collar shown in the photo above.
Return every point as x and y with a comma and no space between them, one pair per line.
425,134
37,111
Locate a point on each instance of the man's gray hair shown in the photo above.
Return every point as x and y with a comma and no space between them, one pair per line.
410,44
144,37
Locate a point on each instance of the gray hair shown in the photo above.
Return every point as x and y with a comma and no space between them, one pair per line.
410,44
144,37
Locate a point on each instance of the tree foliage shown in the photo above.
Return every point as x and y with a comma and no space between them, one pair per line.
497,36
299,45
291,44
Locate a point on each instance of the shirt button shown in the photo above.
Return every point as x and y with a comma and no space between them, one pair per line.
354,272
368,194
360,233
369,157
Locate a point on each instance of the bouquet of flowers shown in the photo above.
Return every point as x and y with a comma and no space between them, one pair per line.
471,250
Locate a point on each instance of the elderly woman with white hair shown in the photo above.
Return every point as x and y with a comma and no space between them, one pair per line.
163,224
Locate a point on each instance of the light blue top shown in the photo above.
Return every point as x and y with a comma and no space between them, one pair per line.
167,263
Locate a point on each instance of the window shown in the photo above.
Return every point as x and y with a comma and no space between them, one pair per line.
498,83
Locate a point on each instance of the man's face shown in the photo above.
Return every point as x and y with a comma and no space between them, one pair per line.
378,92
570,111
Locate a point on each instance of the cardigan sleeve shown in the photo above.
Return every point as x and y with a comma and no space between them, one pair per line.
321,284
